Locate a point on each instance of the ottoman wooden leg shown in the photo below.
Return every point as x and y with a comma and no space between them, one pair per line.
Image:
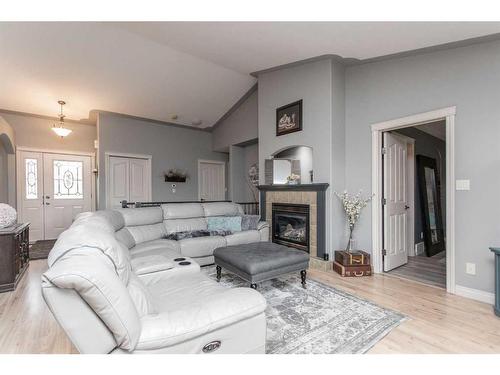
219,270
253,286
303,274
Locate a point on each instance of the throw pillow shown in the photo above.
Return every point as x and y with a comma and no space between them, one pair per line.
231,223
249,222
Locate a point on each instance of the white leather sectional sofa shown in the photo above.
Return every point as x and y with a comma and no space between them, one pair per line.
116,285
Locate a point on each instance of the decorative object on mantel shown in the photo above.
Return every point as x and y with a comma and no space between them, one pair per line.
8,215
293,179
352,204
253,180
175,175
59,128
289,118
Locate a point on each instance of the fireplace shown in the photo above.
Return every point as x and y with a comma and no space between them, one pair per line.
290,225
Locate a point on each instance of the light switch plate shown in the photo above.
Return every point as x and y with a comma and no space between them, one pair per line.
470,268
462,184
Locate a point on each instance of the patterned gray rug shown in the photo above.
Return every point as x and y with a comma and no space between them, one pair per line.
319,319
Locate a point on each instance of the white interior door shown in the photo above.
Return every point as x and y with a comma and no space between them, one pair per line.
67,190
140,180
30,183
211,180
118,187
395,207
129,179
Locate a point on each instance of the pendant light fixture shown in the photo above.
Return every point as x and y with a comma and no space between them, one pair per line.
59,128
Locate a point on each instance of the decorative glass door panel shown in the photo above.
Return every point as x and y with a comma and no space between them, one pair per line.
68,179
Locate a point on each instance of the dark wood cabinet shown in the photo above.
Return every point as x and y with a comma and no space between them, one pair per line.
14,255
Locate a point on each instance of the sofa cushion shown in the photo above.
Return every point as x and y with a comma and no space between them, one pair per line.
93,277
144,233
78,237
185,225
124,236
182,210
141,216
231,223
222,209
140,297
243,237
194,305
114,217
250,222
201,246
160,245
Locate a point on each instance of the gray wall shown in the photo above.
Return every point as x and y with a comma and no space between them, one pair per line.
239,127
170,147
240,160
320,85
37,132
468,78
432,147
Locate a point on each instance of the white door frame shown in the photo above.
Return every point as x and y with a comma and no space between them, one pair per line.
223,163
109,154
447,114
19,174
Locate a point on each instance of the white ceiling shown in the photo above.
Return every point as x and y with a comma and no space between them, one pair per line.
195,70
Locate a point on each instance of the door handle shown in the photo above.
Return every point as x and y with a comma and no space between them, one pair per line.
47,203
47,197
407,207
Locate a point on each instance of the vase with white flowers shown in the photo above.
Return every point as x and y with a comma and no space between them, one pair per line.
352,204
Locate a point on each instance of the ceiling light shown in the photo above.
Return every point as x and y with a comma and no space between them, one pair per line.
59,128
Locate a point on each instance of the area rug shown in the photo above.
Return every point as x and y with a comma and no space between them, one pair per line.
319,319
41,249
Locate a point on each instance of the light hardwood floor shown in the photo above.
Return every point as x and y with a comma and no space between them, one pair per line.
439,322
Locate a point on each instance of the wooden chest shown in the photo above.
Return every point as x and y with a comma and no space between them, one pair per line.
352,258
352,271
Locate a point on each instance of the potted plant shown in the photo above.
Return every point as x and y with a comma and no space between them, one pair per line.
352,204
175,175
293,179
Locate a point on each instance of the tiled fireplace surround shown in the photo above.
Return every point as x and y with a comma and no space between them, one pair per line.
307,194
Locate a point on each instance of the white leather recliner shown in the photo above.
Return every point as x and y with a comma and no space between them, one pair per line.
116,286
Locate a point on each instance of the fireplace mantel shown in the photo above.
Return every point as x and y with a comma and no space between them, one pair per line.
292,187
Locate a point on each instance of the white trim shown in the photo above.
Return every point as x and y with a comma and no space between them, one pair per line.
109,154
414,120
223,163
49,151
475,294
377,129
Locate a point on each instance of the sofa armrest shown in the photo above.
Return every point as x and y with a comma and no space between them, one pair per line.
263,228
222,309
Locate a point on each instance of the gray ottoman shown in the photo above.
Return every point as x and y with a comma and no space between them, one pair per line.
259,261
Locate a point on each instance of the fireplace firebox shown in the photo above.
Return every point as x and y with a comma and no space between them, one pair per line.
290,225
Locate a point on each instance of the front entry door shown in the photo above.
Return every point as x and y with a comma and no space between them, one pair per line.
395,202
67,190
54,188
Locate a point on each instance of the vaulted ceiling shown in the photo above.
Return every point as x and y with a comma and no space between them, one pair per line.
196,71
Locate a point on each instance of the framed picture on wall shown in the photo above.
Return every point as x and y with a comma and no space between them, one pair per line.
289,118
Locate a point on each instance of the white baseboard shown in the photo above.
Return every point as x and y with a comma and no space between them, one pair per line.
476,294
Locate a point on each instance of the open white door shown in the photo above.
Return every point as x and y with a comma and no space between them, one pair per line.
67,189
395,202
211,180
